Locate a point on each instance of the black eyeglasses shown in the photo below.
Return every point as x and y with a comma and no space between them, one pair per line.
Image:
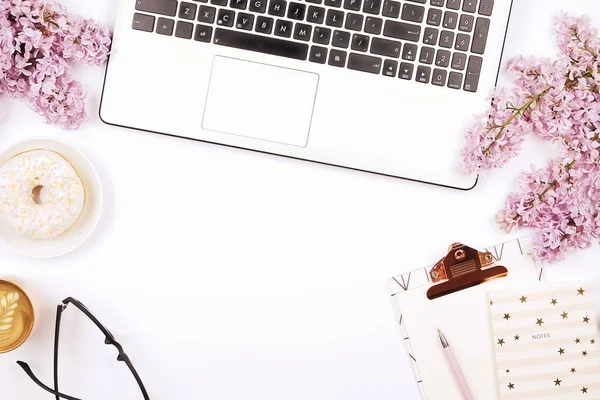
109,340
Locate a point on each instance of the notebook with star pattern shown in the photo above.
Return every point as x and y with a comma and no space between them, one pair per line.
546,342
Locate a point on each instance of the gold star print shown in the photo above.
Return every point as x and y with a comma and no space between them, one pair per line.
584,353
491,302
507,316
561,351
580,291
501,342
539,321
573,370
584,390
586,320
554,302
511,386
577,340
523,299
564,315
517,337
557,382
593,341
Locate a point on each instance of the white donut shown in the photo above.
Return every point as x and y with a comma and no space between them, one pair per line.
41,194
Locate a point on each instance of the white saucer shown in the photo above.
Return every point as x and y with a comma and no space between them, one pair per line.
82,229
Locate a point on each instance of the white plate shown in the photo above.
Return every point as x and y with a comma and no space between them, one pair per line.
82,229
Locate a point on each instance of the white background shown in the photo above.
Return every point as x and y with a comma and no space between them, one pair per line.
228,274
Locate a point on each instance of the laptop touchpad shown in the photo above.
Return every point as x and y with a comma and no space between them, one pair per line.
260,101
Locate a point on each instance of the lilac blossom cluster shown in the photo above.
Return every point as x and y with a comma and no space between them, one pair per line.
559,101
37,40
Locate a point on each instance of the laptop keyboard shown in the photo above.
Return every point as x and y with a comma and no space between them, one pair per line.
437,42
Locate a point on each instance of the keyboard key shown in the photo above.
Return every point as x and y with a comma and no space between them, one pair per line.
437,3
423,74
391,8
315,1
245,21
486,7
446,39
409,52
207,14
163,7
466,23
459,61
322,35
264,24
165,26
283,28
184,30
480,36
337,58
143,22
225,17
453,4
439,77
201,1
318,54
462,42
353,5
238,4
277,7
360,42
335,18
406,71
384,47
259,6
333,3
364,63
434,17
427,54
315,14
341,39
187,11
302,32
419,1
296,11
470,6
450,20
203,33
400,30
354,22
389,68
455,80
413,13
430,36
473,72
373,25
372,6
261,44
442,59
219,2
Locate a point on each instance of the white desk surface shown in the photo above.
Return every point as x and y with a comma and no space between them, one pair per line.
228,274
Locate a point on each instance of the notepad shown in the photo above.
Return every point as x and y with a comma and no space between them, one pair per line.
546,343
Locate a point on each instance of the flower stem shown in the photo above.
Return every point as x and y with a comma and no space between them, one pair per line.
518,111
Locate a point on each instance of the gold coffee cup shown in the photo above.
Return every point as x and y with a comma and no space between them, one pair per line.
16,316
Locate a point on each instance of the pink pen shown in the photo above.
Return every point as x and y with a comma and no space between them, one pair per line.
456,371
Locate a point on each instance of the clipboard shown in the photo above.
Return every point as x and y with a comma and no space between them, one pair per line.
452,296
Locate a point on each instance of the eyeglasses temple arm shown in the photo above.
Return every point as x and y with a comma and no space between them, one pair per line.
30,373
59,310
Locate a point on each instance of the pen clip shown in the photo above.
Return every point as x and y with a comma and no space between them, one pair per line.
463,267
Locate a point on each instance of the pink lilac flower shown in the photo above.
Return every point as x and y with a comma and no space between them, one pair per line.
37,40
559,101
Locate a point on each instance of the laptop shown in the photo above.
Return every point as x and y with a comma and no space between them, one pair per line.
383,86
